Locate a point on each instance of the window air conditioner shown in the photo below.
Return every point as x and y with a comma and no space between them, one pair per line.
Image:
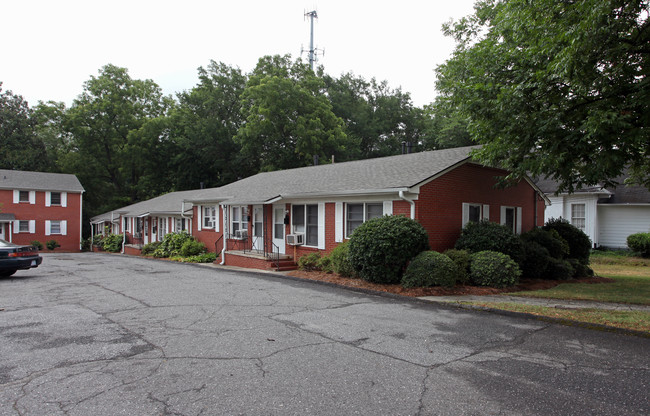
241,234
296,239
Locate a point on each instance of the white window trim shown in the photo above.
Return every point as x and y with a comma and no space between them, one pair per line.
31,198
485,212
584,218
32,227
63,225
385,208
518,213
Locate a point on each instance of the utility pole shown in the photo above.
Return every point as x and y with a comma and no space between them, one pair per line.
313,52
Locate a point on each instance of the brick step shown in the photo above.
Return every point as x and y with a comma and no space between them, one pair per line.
286,265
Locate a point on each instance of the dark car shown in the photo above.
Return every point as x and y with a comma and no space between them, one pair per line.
15,257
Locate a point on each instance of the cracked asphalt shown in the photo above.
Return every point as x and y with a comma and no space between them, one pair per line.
100,334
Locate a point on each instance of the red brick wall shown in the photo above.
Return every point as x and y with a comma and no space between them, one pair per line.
439,206
207,236
40,213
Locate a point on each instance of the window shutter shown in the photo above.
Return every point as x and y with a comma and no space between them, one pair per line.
48,199
32,197
199,223
465,214
321,225
486,212
519,212
16,227
217,215
16,196
388,207
338,222
64,199
64,227
503,215
48,227
32,226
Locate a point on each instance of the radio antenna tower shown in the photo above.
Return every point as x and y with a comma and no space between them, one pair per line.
313,52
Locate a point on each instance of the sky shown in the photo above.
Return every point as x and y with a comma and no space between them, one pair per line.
51,47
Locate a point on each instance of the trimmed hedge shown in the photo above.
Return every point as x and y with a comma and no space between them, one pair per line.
430,268
536,261
579,243
381,248
550,239
462,260
310,262
487,235
639,243
340,260
491,268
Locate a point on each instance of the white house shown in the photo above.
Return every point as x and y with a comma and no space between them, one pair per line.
606,215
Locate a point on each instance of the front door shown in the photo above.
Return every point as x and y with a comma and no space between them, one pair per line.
2,231
146,231
258,228
278,227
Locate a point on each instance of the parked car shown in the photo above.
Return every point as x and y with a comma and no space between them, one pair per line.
14,257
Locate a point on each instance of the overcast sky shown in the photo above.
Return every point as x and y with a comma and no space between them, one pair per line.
51,47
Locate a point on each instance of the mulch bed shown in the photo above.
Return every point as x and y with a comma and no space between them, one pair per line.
525,284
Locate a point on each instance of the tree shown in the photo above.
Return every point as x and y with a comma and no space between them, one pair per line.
377,118
288,119
444,128
555,88
118,130
20,147
205,123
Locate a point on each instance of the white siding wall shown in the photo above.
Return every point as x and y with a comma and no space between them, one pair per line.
556,209
561,207
616,222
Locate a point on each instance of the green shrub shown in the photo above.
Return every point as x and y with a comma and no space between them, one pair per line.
112,243
37,244
97,240
381,248
486,235
172,244
52,244
340,260
310,262
148,249
559,269
462,260
536,258
579,243
491,268
639,243
580,269
192,247
550,239
200,258
430,268
325,264
85,244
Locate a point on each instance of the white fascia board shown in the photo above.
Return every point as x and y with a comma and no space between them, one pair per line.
357,192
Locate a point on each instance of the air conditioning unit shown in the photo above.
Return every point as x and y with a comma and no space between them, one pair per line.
295,239
241,234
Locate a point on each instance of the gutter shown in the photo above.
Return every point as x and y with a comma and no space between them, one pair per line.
410,201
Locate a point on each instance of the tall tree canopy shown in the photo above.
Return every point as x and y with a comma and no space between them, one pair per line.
119,132
556,88
288,119
20,147
205,123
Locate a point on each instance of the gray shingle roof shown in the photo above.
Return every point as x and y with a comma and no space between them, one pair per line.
621,194
167,204
39,181
370,175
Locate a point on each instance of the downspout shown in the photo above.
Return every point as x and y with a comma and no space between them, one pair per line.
184,217
224,235
410,201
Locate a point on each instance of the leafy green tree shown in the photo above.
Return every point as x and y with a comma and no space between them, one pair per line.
556,88
117,128
20,147
444,128
48,127
205,123
288,119
377,118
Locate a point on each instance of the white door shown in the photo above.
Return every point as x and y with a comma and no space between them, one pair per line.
2,231
258,228
154,229
278,227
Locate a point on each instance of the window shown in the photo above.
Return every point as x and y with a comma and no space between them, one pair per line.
180,224
357,214
209,217
55,198
305,220
55,227
126,223
138,228
23,226
509,218
162,226
23,196
239,219
578,216
473,212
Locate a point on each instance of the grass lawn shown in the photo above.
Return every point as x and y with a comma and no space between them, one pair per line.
631,285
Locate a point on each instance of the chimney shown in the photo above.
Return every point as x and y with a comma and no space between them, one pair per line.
201,185
315,160
409,147
403,147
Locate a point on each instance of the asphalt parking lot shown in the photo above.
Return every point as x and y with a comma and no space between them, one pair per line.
100,334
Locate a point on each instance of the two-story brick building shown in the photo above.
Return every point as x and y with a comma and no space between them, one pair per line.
39,206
